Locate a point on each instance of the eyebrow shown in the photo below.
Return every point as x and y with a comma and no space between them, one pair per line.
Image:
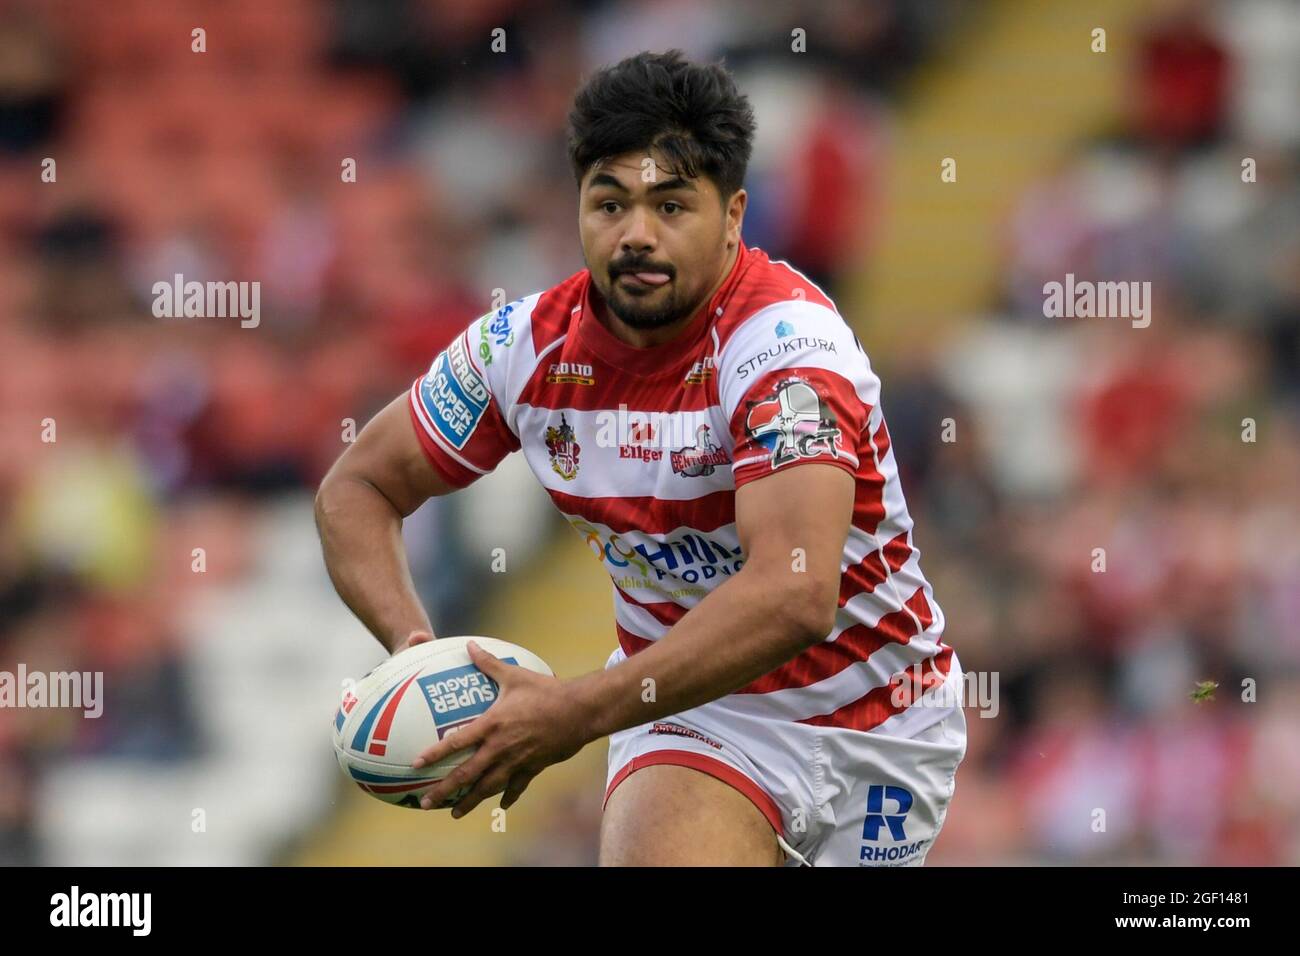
676,182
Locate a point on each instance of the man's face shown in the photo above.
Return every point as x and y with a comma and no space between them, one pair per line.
655,243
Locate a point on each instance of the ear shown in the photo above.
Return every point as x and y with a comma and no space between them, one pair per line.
736,215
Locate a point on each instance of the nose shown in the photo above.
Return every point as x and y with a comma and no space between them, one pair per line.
638,236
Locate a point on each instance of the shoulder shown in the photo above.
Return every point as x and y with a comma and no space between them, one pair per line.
771,288
464,406
507,343
783,321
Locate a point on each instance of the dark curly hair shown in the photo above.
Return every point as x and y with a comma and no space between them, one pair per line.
692,113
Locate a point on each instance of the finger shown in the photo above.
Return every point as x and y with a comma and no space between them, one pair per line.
493,666
494,781
518,784
418,637
468,772
467,736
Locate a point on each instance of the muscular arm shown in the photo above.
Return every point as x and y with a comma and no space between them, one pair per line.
762,617
379,480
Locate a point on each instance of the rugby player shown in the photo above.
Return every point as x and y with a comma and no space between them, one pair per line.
706,420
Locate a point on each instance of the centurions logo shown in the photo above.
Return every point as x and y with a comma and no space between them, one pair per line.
700,459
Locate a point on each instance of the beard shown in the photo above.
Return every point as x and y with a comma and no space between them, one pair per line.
644,307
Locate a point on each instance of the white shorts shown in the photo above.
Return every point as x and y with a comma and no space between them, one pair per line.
835,797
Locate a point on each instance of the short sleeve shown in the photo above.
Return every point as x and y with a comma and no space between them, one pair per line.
456,413
797,389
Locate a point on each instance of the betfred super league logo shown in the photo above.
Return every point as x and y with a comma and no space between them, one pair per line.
564,449
793,422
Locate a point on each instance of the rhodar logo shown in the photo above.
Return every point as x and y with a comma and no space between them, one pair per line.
701,371
885,821
570,373
563,447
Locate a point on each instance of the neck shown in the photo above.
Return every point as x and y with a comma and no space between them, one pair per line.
648,338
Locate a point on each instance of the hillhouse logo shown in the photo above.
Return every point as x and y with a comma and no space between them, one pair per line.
208,300
1104,300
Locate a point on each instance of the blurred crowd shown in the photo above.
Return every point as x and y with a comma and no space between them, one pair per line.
1174,449
128,437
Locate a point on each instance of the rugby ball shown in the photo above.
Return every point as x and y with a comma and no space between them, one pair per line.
408,703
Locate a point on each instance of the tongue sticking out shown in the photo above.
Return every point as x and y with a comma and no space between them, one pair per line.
652,278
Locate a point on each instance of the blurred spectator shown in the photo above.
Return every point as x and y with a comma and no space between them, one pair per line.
1183,76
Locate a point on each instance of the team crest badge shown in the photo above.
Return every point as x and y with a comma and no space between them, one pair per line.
793,422
564,449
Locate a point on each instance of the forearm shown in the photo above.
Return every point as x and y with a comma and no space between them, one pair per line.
361,538
742,630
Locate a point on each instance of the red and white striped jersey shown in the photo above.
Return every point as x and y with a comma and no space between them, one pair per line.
642,450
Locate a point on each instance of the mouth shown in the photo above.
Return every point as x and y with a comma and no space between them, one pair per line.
646,280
